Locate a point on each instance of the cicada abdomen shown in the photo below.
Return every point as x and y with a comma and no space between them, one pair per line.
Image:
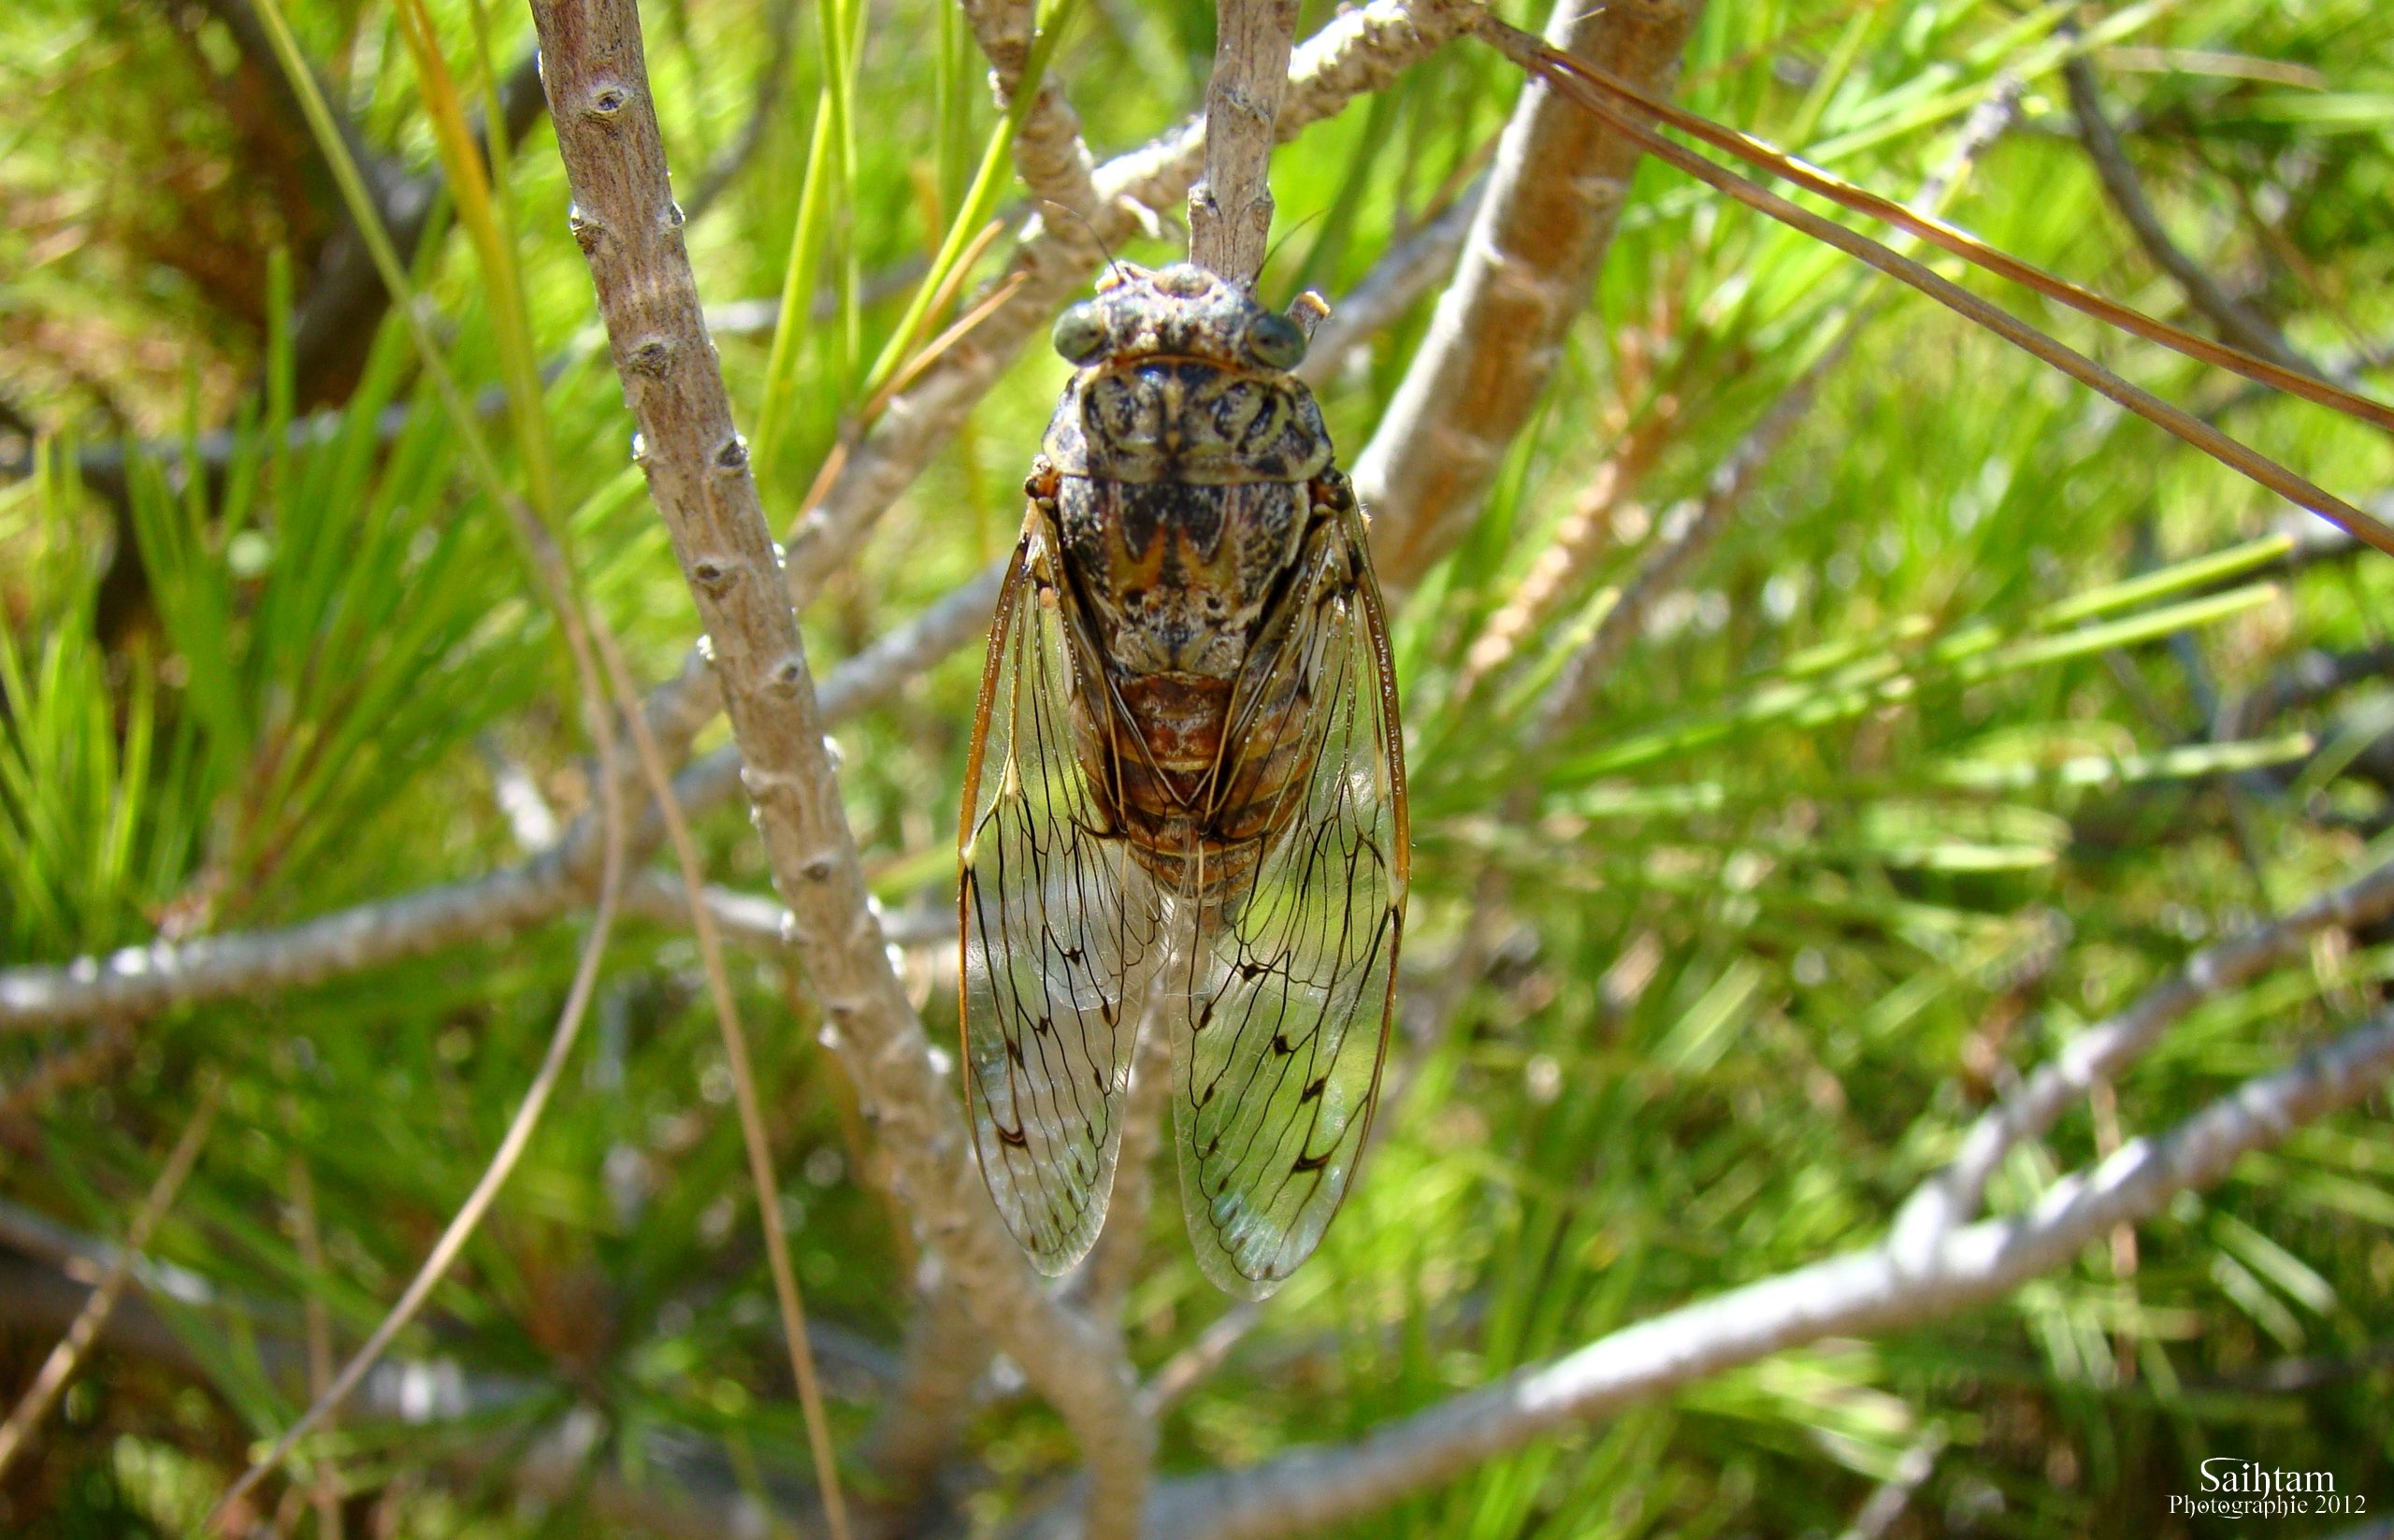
1186,792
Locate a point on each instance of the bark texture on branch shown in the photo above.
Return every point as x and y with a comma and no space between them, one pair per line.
1229,211
2100,1052
1554,198
697,465
1048,153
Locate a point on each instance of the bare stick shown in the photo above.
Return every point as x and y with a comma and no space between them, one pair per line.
511,1145
1528,268
2235,323
1854,1294
699,477
1895,1494
59,1367
1591,91
1048,153
1229,211
2098,1055
1688,531
744,1085
1196,1363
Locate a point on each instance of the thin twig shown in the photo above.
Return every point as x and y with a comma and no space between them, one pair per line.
1689,529
1356,51
518,1137
2098,1055
700,479
1523,50
59,1367
1201,1360
1895,1494
1049,154
1858,1293
137,982
306,1232
1230,211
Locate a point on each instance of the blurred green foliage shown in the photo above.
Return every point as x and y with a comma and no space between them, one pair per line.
1917,776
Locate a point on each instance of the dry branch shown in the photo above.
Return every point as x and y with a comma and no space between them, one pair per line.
1628,105
1230,211
1554,196
1690,528
698,471
2098,1055
1048,153
1859,1293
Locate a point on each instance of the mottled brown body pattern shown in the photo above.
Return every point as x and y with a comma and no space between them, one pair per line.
1188,725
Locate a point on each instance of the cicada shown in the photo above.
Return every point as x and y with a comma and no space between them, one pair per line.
1184,804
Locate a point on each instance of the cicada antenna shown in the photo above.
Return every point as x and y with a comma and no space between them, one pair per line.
1120,275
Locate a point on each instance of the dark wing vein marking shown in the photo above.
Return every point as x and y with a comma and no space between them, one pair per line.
1290,994
1057,931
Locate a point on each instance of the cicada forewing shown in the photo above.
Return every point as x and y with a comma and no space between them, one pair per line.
1281,1006
1059,932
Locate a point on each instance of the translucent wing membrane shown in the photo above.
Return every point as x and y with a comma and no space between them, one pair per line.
1282,1003
1059,926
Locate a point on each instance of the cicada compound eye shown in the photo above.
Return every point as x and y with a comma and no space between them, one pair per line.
1275,342
1080,334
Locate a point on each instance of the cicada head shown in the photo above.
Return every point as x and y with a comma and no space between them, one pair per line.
1184,311
1184,377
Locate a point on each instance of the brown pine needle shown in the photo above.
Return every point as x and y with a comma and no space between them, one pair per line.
93,1319
744,1085
1937,232
1573,81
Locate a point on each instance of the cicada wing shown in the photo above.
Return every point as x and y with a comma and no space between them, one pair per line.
1058,928
1283,989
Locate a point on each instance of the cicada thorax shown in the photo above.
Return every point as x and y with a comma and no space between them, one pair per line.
1189,497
